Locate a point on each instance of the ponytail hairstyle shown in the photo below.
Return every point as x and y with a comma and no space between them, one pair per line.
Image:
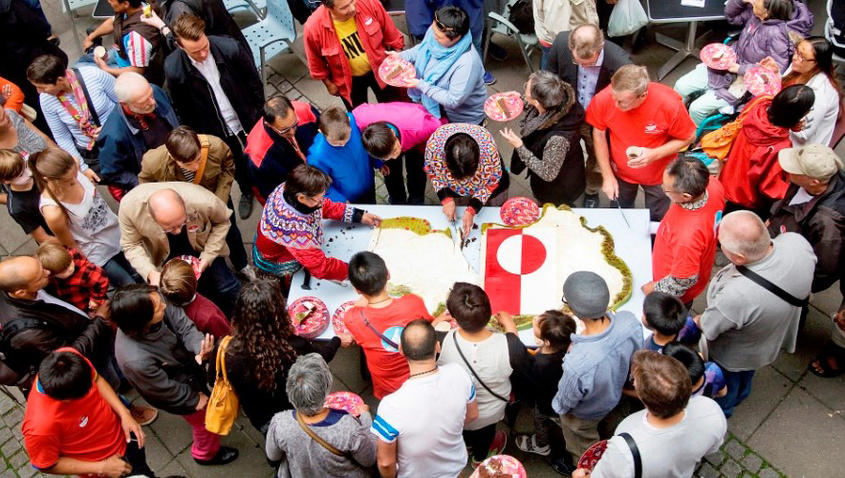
51,163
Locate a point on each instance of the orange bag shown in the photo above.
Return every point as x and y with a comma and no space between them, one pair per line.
717,144
222,408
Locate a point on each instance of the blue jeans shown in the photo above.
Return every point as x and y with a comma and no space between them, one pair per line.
120,272
220,285
544,58
739,387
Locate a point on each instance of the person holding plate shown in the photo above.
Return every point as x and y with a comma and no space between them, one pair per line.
450,75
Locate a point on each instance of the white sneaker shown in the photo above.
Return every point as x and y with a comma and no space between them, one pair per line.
528,444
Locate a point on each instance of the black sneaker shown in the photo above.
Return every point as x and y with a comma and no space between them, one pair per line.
562,466
591,201
245,206
496,52
225,454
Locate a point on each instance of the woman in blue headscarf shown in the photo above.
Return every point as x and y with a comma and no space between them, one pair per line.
449,71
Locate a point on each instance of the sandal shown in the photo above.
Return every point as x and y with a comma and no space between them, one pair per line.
823,362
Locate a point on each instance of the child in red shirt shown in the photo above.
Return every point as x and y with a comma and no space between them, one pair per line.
73,278
178,284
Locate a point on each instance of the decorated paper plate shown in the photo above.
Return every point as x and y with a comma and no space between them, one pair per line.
194,262
590,457
339,315
396,72
519,211
500,466
346,401
762,81
504,106
309,316
718,56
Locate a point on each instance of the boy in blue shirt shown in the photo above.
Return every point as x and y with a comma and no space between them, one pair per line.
665,315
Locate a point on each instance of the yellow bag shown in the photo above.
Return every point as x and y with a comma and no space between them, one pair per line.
222,406
717,144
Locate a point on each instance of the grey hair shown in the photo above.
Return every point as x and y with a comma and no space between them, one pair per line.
633,78
586,40
127,85
547,88
309,381
743,232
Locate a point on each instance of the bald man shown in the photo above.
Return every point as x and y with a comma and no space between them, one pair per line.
141,122
159,221
34,323
744,323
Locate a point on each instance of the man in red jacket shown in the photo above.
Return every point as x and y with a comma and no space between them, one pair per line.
345,42
685,246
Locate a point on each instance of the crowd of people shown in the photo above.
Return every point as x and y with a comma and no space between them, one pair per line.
173,114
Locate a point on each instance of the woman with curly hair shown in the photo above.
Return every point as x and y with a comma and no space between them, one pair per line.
262,350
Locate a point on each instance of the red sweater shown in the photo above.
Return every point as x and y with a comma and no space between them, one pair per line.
208,318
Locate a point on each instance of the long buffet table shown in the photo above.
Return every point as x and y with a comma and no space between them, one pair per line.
633,245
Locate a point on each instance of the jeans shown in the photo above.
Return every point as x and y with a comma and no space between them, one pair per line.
544,57
395,181
739,387
120,272
220,285
706,104
480,441
656,200
137,459
237,252
205,444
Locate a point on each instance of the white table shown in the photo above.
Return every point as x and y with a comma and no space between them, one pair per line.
342,240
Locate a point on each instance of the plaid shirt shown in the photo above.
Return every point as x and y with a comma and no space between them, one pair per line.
87,283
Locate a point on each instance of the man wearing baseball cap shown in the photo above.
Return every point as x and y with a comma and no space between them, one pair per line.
814,206
596,367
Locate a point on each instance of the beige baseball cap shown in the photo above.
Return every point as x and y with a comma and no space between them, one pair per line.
813,160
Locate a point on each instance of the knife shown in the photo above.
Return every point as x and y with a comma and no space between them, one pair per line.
455,235
623,214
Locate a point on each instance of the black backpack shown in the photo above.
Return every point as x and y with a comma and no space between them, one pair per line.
522,16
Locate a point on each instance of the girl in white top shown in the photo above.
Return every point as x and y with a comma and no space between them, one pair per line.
78,215
486,359
812,65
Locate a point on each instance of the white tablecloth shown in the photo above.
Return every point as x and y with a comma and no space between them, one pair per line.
342,240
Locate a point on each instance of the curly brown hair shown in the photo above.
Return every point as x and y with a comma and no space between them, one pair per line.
261,330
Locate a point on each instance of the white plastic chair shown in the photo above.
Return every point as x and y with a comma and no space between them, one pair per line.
828,33
499,23
259,7
273,35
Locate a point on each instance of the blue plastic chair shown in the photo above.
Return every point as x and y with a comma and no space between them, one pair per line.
273,35
257,6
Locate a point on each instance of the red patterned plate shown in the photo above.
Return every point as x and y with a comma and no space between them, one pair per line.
396,72
346,401
339,315
309,316
504,106
718,56
519,211
762,81
590,457
500,466
194,262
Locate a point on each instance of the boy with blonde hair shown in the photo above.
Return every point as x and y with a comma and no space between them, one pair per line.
73,278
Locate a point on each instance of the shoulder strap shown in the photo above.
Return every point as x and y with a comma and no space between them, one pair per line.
221,358
773,288
203,159
91,110
328,446
375,331
638,461
474,374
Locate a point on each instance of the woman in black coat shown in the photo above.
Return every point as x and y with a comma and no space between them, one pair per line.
549,141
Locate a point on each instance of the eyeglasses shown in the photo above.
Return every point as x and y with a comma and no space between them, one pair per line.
443,28
284,131
801,57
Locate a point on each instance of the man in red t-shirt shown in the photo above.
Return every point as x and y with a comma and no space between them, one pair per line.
685,246
377,323
76,425
646,125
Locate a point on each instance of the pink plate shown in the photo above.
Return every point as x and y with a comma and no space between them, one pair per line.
762,81
396,72
504,106
194,262
339,315
590,457
519,211
346,401
718,56
500,466
309,316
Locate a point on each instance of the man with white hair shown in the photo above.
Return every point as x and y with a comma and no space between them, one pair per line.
754,303
638,128
160,221
141,122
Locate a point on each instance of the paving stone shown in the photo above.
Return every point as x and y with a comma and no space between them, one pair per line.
752,462
769,473
19,459
735,449
716,459
13,418
9,473
6,404
707,471
10,447
16,432
5,434
731,469
27,471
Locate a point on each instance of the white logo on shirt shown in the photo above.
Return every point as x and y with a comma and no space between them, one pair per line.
83,421
651,128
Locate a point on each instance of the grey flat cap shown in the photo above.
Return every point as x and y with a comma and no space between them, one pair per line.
586,294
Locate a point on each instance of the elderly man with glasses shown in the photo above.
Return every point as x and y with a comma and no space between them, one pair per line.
160,221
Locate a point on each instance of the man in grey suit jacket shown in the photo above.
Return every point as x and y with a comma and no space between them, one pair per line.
583,59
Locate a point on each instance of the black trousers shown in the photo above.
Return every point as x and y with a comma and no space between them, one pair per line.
237,252
237,143
360,84
480,441
395,181
137,459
